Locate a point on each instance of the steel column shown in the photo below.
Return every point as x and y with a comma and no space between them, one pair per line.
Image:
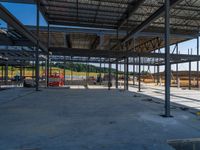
12,69
134,71
50,67
45,65
139,75
100,72
47,68
154,71
109,76
177,64
197,62
190,65
167,59
126,73
6,74
24,70
117,76
37,72
33,70
21,72
64,70
72,65
158,74
87,73
2,73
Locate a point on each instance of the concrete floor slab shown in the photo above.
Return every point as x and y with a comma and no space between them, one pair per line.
94,119
185,97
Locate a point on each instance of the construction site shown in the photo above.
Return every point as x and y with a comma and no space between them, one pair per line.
99,75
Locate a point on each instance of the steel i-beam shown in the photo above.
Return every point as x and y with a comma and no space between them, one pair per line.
109,76
139,75
127,72
190,65
167,59
37,47
177,64
6,74
198,62
47,68
116,80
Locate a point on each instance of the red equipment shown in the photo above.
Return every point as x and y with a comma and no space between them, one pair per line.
56,80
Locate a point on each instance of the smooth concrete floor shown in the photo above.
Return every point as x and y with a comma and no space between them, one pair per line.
180,96
94,119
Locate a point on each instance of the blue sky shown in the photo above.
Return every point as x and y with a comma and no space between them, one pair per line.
27,15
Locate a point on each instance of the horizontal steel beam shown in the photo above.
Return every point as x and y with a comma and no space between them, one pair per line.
160,12
97,61
6,41
60,51
111,32
114,54
19,1
16,24
131,9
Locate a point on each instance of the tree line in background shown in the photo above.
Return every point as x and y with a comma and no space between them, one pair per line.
79,67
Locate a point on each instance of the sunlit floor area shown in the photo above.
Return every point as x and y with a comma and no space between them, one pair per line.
181,96
89,119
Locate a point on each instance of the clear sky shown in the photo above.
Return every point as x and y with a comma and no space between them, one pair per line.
27,15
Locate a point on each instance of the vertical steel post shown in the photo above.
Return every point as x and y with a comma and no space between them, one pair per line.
124,73
87,73
71,72
37,72
45,65
24,70
71,66
167,59
42,67
198,62
11,71
177,64
139,77
158,74
21,71
127,72
116,77
47,68
6,73
190,64
100,75
134,67
33,70
64,70
154,77
109,76
134,71
2,73
50,67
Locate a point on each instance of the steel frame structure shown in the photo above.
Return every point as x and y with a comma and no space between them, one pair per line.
107,31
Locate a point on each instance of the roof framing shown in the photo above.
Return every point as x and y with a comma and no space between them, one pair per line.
16,24
118,20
